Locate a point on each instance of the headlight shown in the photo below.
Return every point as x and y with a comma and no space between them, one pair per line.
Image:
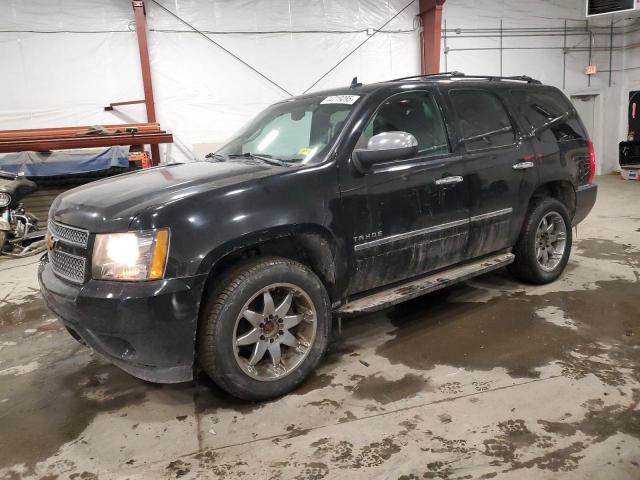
131,256
5,199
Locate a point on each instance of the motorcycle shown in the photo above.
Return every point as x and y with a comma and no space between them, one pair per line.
18,227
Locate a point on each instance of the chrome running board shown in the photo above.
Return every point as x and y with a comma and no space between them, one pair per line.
423,285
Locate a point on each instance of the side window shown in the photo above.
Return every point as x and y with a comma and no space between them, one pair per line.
545,108
484,122
415,113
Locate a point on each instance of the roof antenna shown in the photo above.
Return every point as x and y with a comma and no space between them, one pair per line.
355,83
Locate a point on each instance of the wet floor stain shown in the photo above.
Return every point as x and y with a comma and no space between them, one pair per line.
602,249
344,455
381,390
209,398
314,382
600,421
508,332
34,427
83,476
178,468
513,440
514,435
30,308
209,461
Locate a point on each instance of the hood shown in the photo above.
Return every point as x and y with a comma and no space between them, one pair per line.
110,205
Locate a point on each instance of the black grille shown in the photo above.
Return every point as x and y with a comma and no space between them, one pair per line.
71,235
68,266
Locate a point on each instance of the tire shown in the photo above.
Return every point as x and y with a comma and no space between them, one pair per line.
3,240
223,325
527,266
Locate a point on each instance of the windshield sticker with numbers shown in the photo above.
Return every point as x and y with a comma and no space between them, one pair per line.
345,99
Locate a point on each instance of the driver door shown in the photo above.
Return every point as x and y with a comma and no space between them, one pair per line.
409,216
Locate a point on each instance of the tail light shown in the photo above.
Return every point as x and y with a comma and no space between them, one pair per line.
592,162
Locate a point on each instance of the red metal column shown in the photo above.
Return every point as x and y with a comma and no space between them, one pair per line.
431,16
141,31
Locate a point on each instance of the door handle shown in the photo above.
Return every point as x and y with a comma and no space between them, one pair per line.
523,165
449,180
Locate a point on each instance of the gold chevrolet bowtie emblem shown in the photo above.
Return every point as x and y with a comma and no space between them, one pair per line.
51,242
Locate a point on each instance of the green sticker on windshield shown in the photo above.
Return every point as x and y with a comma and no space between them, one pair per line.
304,151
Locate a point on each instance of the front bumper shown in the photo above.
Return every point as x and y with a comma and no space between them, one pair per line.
146,328
585,200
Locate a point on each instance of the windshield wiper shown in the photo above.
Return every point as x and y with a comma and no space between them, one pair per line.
218,157
264,158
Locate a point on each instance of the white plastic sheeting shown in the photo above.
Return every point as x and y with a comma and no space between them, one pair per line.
202,93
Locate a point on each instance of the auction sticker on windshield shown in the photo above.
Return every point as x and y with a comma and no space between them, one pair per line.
345,99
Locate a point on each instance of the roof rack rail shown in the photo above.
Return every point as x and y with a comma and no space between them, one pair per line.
455,74
430,75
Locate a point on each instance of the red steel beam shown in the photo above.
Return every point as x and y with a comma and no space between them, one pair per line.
431,16
145,65
109,107
59,132
86,141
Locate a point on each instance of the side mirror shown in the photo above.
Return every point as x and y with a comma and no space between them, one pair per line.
385,147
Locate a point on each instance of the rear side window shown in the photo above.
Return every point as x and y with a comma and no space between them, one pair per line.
415,113
548,112
484,122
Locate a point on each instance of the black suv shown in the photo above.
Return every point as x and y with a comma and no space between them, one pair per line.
336,202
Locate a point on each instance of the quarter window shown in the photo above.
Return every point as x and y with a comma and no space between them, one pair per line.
484,122
416,113
549,113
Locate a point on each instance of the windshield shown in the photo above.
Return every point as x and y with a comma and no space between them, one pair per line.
296,132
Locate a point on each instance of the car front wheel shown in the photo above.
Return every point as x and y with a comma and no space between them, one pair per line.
264,329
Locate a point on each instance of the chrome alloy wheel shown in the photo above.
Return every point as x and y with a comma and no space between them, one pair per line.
551,241
274,332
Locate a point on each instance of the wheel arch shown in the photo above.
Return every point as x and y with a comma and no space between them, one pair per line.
562,190
312,245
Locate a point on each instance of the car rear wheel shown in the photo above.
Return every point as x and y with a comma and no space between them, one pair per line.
264,329
544,246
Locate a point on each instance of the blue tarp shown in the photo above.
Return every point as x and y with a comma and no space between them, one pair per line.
47,164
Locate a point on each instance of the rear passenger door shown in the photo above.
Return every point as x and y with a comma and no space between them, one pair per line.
500,168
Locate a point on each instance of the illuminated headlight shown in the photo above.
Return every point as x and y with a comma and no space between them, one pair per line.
5,199
131,256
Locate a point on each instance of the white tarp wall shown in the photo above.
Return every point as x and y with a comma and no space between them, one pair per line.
63,61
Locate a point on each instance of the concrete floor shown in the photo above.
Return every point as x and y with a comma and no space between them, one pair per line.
489,379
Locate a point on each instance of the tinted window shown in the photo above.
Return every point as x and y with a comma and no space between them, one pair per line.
484,122
550,112
415,113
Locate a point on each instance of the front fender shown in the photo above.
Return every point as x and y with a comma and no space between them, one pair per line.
209,224
4,225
